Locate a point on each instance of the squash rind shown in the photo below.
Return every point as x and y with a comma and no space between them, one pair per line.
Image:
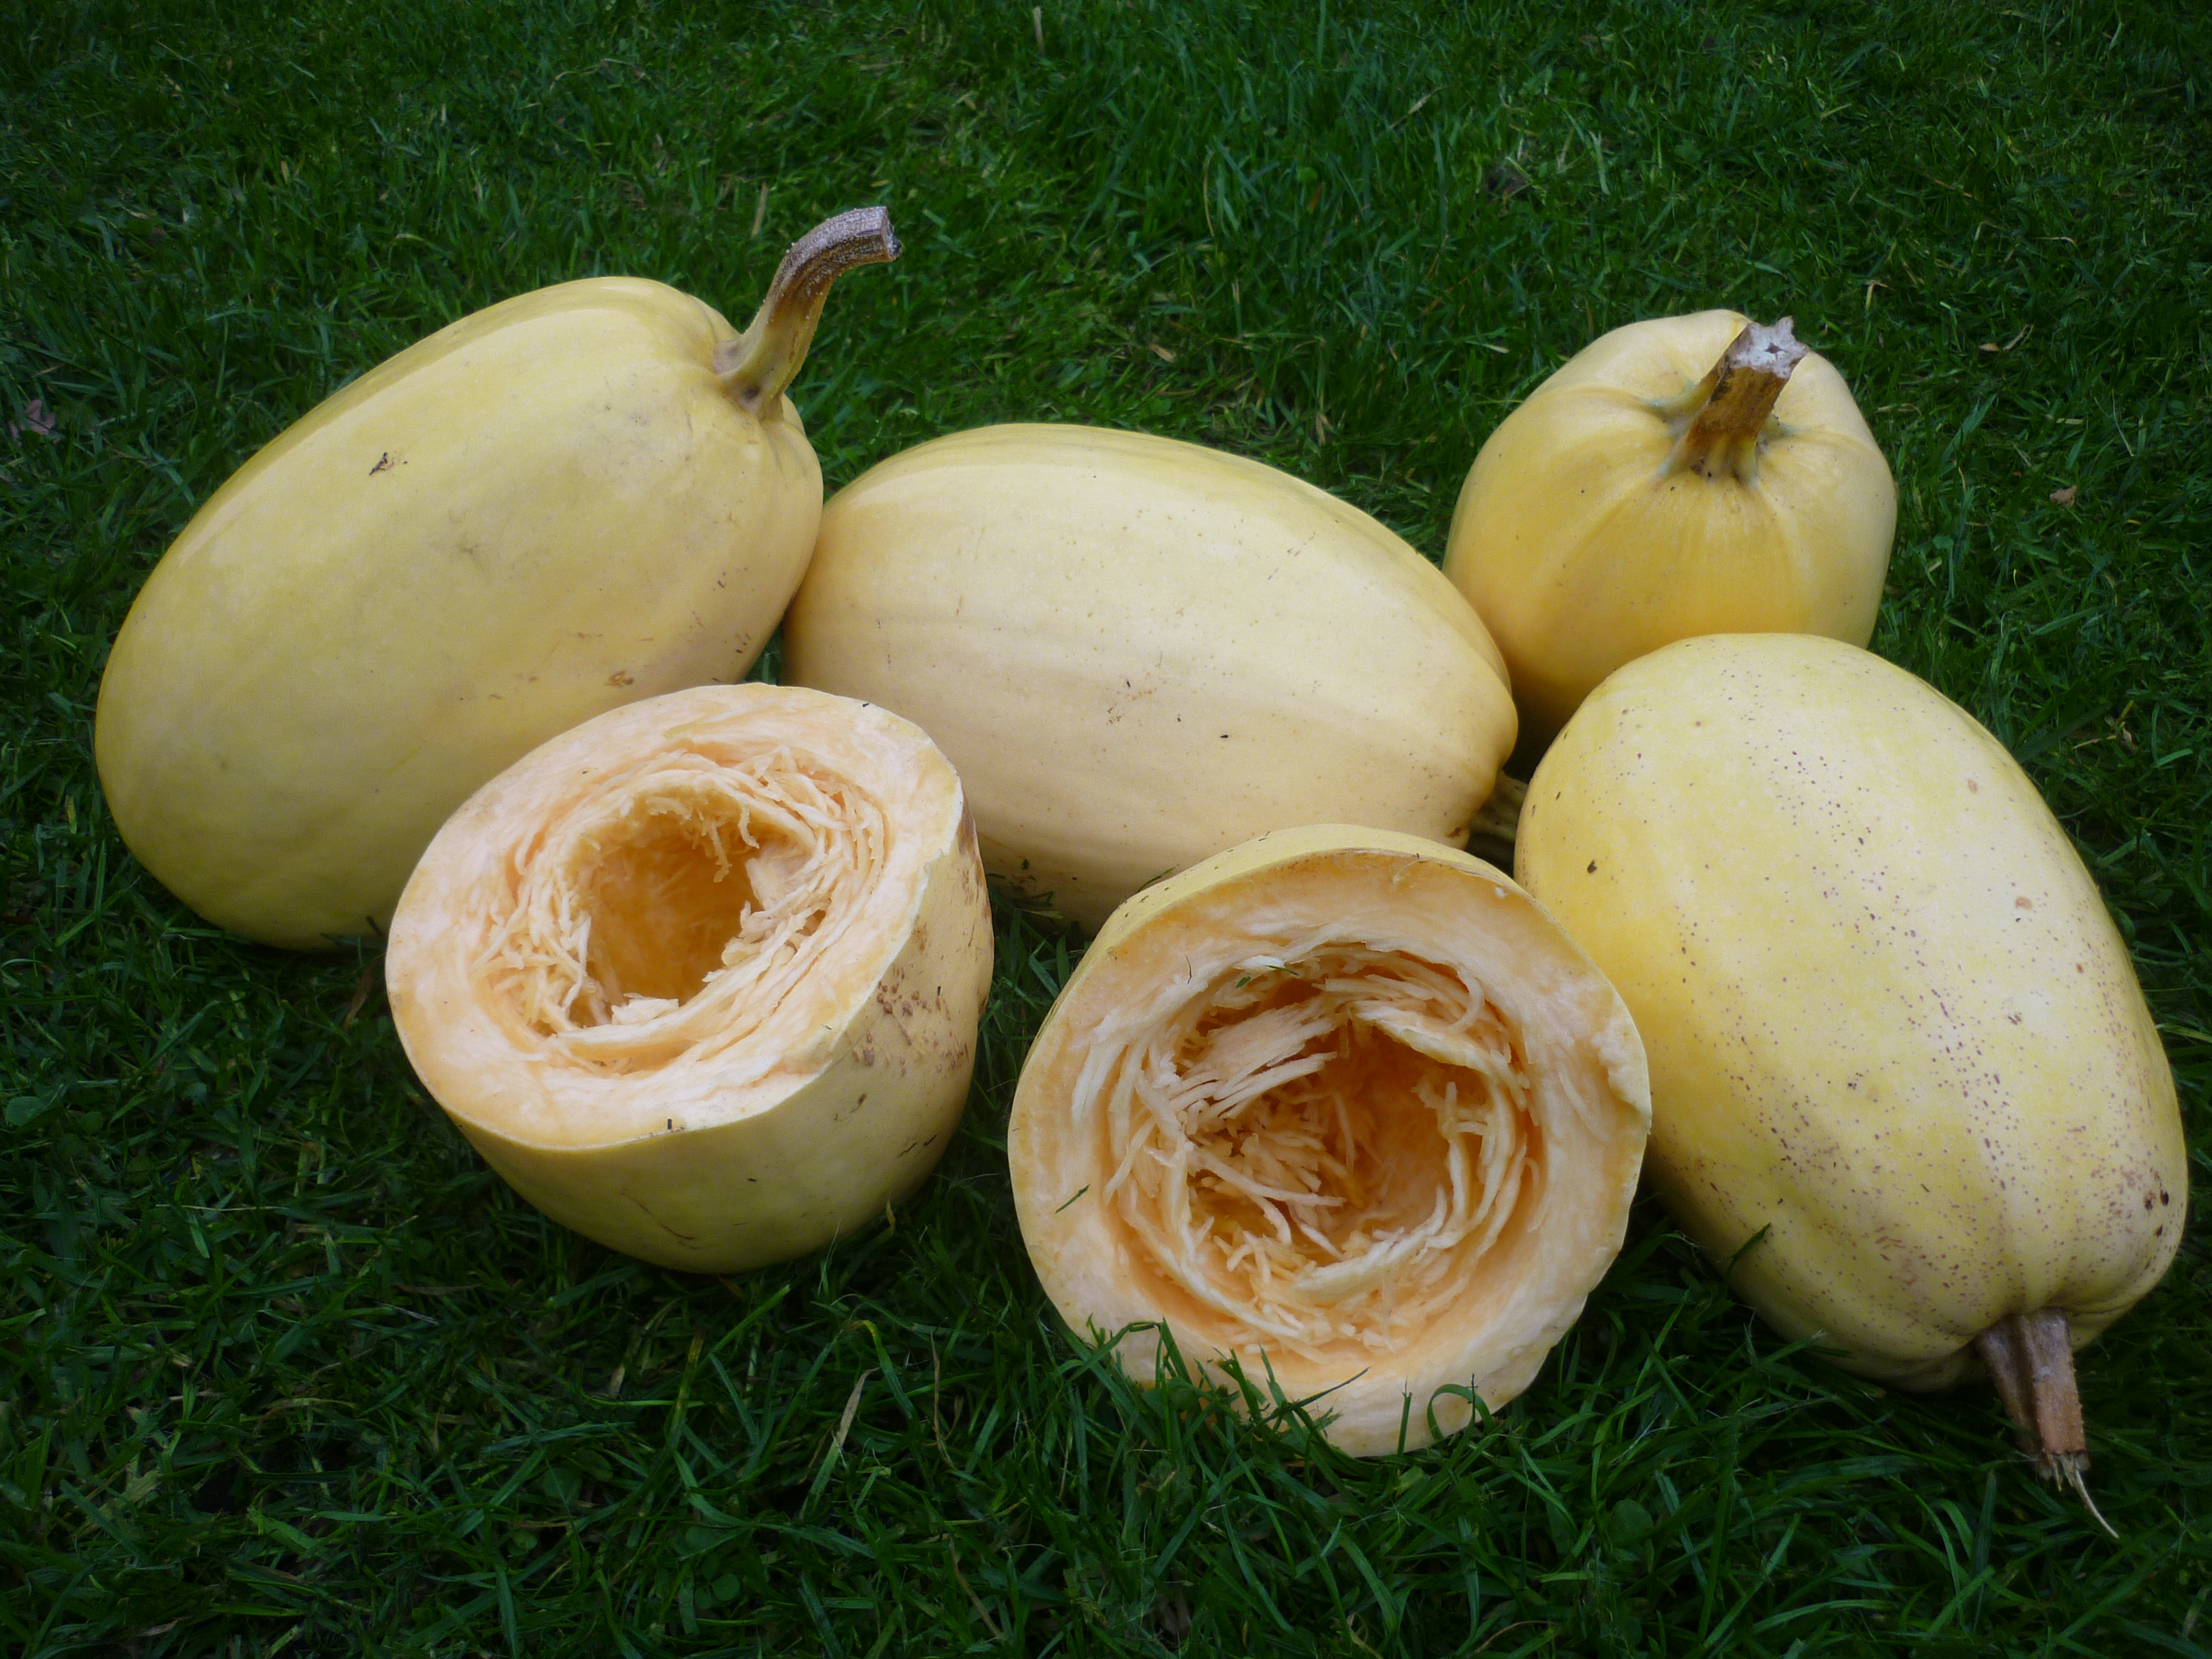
544,510
1890,1020
1395,887
767,1154
1581,550
1140,653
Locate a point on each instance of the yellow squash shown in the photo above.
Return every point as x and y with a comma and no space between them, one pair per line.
569,500
1902,1075
1139,651
1685,476
701,978
1342,1108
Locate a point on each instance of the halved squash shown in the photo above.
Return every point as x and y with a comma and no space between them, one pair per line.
701,978
1343,1107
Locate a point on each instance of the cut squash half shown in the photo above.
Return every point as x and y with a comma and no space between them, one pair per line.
1340,1108
701,978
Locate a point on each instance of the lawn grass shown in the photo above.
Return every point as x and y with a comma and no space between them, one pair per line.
283,1368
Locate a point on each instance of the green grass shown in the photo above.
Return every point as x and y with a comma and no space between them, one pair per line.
283,1368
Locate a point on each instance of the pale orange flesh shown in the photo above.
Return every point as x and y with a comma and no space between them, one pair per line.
668,917
701,978
1322,1150
1340,1109
678,916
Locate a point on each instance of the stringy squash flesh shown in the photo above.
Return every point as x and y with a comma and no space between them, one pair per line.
1338,1105
1318,1145
701,978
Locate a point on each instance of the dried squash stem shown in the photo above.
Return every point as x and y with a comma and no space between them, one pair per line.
762,361
2031,1358
1723,417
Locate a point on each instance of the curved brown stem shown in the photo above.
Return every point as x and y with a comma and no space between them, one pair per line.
2031,1359
1724,415
762,361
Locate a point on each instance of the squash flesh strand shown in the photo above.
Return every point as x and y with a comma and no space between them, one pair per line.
1318,1145
797,851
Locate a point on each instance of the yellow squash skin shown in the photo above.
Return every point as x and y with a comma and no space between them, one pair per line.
545,510
1889,1019
1582,548
1139,651
710,1131
1323,909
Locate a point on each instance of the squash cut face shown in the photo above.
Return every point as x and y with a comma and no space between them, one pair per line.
1339,1109
682,912
1323,1150
701,977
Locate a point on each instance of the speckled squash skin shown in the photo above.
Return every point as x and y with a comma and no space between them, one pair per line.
549,509
1890,1023
1582,550
1140,653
